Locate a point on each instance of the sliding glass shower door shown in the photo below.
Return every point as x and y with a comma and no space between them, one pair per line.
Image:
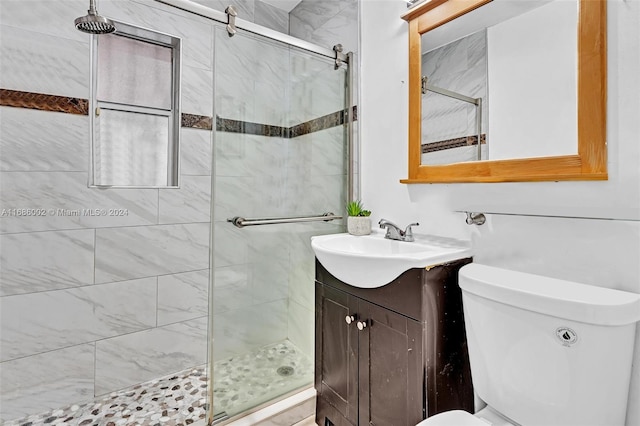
280,152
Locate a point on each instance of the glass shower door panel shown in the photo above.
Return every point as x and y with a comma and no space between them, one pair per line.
280,151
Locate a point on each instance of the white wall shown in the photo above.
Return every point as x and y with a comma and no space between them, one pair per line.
532,65
582,245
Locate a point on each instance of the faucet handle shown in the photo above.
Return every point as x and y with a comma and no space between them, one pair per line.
384,222
408,233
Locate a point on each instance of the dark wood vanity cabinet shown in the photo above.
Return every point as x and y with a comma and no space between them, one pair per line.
393,355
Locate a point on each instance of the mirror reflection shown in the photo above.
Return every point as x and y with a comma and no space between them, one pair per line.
494,75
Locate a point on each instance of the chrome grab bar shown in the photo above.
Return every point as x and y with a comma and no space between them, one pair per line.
241,222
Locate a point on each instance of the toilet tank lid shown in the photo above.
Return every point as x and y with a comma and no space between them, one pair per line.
550,296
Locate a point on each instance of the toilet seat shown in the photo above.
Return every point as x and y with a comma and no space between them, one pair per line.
453,418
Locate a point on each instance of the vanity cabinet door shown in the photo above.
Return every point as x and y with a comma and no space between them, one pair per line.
336,360
391,375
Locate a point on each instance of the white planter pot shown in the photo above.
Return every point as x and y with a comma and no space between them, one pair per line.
359,225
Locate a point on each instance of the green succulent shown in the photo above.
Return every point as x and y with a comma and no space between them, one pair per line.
354,208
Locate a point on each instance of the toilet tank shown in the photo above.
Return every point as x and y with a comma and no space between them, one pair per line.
545,351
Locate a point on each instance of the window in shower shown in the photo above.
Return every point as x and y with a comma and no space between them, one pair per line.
135,114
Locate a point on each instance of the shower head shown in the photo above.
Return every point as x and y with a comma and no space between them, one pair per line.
93,23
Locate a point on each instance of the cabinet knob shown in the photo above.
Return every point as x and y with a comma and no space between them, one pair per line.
349,319
361,325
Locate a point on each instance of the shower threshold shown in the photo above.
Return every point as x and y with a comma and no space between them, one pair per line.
220,417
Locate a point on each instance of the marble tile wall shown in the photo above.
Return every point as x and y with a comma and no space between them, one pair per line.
139,251
56,144
61,194
137,357
260,94
318,186
271,17
322,161
47,380
26,53
250,293
322,157
183,296
327,23
302,283
49,320
255,11
268,271
91,304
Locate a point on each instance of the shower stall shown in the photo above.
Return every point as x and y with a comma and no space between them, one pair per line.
184,303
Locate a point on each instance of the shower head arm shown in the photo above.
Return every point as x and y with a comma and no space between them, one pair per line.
92,8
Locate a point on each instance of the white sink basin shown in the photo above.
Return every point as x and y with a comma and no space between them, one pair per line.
372,261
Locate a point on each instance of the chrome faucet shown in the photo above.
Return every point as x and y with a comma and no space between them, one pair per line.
395,233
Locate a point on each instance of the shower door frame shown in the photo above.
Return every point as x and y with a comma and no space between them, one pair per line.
334,53
255,28
352,186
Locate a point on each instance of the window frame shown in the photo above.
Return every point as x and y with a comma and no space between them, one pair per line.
174,114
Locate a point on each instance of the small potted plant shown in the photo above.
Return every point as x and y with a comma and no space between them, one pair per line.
358,222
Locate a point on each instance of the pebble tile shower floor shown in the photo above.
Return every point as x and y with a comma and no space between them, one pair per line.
244,381
180,399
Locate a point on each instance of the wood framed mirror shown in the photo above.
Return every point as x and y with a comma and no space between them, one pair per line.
590,160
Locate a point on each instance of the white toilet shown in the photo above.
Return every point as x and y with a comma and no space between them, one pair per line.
545,351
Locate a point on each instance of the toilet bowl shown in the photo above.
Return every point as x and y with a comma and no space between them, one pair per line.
536,350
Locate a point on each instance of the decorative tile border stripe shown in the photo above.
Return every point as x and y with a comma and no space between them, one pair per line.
453,143
193,121
246,127
43,102
325,122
